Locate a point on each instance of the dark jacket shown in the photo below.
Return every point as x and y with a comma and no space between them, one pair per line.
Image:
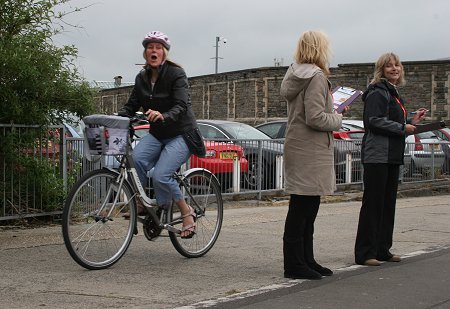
384,123
169,96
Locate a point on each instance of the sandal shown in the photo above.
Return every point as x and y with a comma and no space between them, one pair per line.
189,227
141,211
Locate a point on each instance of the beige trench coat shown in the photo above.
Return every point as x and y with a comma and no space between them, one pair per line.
308,150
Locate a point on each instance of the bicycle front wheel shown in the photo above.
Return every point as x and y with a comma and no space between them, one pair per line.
94,229
202,192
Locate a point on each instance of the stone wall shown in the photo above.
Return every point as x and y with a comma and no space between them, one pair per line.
252,95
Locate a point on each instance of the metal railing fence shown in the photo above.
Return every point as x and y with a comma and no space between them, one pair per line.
33,170
39,166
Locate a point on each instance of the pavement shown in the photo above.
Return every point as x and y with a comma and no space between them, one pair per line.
245,267
419,281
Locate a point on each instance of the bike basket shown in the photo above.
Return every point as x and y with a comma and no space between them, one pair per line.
105,135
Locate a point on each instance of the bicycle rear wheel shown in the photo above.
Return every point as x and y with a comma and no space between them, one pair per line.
95,233
202,192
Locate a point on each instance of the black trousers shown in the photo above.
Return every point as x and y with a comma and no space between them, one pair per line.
376,217
298,232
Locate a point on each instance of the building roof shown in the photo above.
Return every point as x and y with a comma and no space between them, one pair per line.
108,84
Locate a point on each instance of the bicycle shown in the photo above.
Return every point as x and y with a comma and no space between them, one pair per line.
94,230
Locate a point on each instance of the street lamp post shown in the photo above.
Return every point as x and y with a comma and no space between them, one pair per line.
218,39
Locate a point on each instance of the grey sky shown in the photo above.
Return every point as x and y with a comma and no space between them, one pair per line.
257,32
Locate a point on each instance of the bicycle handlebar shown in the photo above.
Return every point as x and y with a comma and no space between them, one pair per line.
138,118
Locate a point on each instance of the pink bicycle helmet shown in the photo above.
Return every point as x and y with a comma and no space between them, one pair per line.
156,37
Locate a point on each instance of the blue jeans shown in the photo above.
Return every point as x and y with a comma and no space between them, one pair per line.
165,156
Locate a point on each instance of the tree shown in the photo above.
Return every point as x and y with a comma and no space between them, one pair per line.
39,84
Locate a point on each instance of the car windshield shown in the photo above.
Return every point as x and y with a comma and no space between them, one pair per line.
271,129
244,131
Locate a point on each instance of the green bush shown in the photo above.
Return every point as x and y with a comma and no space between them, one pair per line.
31,182
39,85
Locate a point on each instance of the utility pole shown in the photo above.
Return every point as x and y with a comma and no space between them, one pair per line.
218,39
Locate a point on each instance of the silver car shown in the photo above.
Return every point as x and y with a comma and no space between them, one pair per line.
423,152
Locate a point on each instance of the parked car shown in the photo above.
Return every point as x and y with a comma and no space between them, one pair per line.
423,152
348,150
353,135
444,134
49,143
219,158
418,154
275,129
260,151
347,146
352,124
48,146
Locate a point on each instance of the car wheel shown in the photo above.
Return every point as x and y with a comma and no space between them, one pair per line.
340,173
251,177
413,168
225,181
406,170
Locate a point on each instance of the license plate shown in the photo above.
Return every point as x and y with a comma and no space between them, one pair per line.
436,147
228,155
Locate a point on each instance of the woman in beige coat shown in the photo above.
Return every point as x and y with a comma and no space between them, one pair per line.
308,151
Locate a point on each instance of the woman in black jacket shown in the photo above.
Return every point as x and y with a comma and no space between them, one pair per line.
383,146
161,90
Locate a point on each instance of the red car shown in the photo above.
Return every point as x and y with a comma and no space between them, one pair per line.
349,135
219,158
49,144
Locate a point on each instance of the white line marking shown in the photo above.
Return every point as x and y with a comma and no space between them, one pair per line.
290,283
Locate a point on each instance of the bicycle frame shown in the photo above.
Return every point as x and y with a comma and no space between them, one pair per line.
127,167
96,231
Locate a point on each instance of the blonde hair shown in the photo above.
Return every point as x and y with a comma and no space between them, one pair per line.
384,59
314,47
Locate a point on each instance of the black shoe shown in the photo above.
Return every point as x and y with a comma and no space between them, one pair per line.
303,273
320,269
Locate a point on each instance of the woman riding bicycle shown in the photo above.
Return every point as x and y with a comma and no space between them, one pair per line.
161,90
